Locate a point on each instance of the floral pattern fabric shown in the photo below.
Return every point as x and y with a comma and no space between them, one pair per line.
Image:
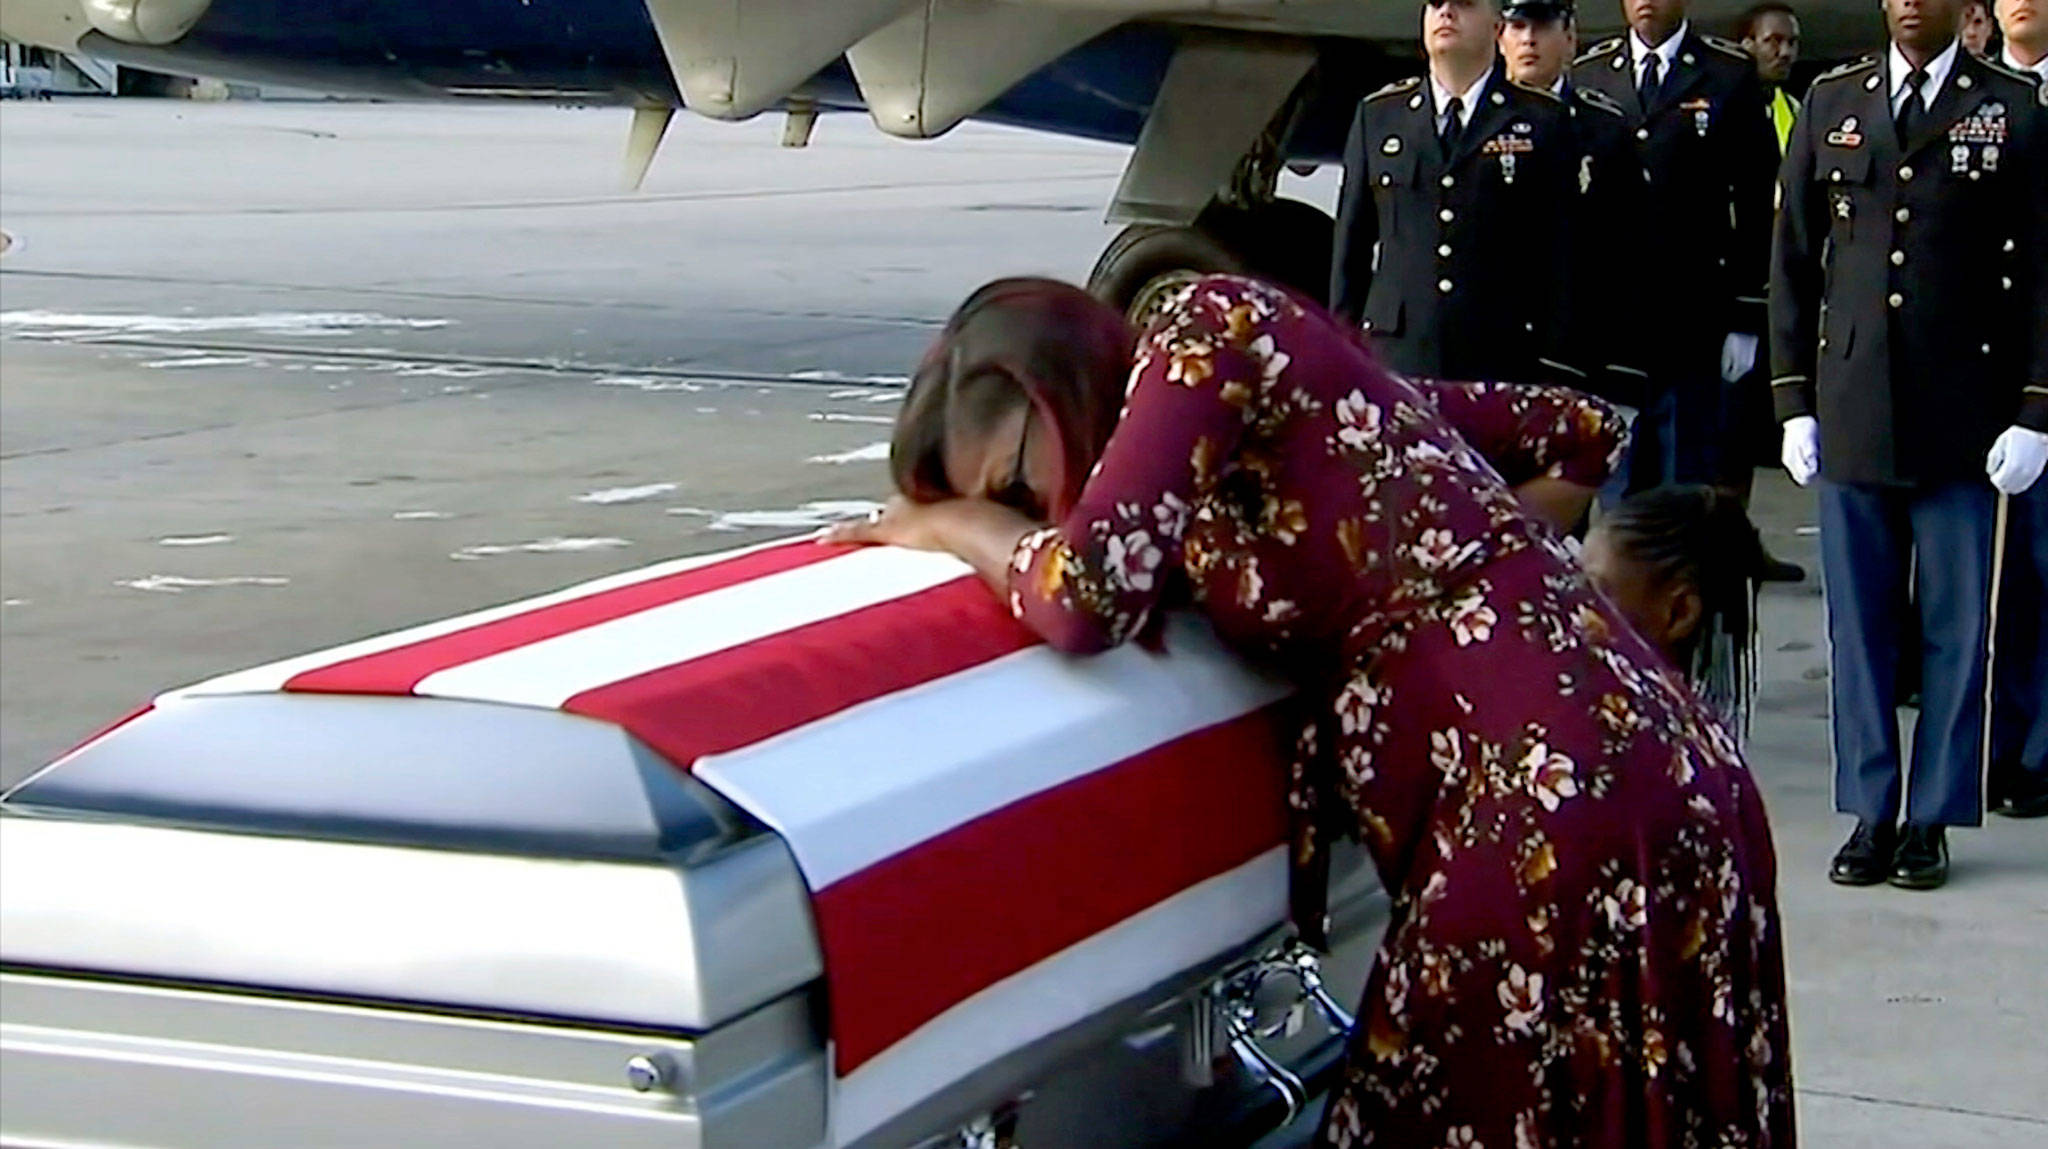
1584,948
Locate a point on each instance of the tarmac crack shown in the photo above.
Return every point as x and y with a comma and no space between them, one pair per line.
710,375
573,202
1925,1106
460,296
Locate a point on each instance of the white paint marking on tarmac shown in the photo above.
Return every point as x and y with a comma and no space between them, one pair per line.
842,417
206,361
646,383
179,584
547,546
612,496
818,514
815,376
13,602
872,453
268,323
194,540
420,516
451,370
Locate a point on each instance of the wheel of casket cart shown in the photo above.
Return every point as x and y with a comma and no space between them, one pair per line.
1146,263
1284,240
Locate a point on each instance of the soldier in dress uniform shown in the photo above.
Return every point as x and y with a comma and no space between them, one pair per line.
1454,186
2019,723
1909,345
1538,39
1703,136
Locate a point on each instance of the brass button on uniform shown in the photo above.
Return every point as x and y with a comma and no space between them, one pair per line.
1444,249
1898,258
1903,214
1448,181
1444,285
1896,300
1906,174
1642,133
1447,215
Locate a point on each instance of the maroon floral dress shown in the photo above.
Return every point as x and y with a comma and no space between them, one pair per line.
1584,948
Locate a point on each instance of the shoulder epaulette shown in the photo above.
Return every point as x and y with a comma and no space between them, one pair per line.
1729,47
1594,98
1546,93
1849,69
2001,68
1600,49
1397,86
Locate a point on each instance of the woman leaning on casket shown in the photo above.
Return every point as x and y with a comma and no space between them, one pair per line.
1584,948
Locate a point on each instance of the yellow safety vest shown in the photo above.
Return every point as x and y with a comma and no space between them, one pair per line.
1783,109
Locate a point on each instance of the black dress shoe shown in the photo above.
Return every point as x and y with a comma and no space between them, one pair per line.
1922,860
2025,795
1866,859
1776,569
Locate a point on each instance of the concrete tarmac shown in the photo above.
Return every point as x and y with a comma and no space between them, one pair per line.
276,376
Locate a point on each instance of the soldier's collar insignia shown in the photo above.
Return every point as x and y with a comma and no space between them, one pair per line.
1872,83
1964,81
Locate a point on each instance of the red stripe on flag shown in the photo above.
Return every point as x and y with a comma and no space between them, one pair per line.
740,696
916,934
401,668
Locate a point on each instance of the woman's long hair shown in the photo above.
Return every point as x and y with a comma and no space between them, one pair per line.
1037,340
1700,536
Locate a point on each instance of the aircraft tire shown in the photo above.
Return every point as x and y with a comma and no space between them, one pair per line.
1143,265
1286,241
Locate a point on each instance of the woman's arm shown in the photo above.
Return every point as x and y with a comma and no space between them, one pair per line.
1553,445
1093,580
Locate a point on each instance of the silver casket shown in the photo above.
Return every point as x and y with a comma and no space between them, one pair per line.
786,846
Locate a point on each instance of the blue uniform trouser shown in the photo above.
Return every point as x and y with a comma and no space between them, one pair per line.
1868,535
1688,431
2019,717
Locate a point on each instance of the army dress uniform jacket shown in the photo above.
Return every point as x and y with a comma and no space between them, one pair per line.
1909,305
1707,147
1606,332
1450,262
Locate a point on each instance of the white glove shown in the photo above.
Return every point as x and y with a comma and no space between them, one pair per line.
1801,452
2016,459
1738,355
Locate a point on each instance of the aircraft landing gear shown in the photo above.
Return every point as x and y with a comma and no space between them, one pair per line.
1283,240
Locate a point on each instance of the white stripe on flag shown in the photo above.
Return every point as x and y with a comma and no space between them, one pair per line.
552,671
1199,924
854,788
272,676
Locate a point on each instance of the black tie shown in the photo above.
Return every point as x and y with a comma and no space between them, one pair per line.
1914,109
1447,136
1647,92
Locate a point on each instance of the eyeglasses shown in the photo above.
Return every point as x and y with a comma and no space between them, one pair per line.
1017,493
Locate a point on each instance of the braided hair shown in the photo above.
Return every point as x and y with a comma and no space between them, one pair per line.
1700,536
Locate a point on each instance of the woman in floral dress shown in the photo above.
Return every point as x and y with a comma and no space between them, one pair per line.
1584,947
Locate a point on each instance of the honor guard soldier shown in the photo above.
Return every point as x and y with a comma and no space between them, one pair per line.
1909,344
1456,186
1704,139
1537,42
2019,676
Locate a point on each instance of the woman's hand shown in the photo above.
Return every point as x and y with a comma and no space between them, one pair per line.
899,523
985,534
1559,502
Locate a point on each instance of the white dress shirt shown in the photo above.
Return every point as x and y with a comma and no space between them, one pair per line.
2039,67
1666,53
1467,99
1937,74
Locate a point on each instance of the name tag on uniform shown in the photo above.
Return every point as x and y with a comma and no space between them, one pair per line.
1846,135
